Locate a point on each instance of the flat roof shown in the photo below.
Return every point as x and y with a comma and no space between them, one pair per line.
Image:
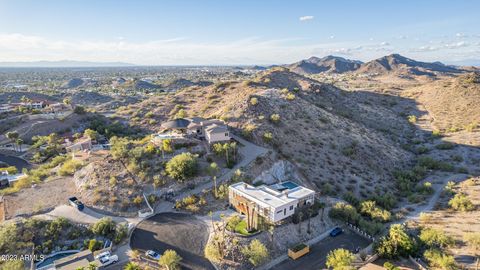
269,197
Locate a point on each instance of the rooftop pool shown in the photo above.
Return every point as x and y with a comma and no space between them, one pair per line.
289,185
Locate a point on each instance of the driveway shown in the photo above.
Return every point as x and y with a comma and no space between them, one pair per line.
318,252
249,152
15,161
183,233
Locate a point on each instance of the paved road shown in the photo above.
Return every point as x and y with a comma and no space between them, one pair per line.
183,233
318,252
15,161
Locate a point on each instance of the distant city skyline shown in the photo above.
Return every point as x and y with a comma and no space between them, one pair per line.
237,32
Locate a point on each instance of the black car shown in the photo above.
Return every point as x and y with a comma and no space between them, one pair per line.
336,231
73,201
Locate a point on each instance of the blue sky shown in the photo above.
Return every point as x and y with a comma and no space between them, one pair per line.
236,32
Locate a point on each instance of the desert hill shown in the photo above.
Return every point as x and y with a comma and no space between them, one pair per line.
72,83
453,103
329,64
319,128
395,63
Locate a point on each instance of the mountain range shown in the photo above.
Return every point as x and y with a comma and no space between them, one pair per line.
393,63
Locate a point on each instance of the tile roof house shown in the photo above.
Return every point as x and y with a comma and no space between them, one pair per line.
213,130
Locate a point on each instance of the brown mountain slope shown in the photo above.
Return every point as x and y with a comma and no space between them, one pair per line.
395,63
338,140
453,103
330,64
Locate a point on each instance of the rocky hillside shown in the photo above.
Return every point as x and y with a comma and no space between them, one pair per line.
337,140
453,103
329,64
400,65
72,83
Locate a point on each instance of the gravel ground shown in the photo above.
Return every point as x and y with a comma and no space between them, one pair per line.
43,197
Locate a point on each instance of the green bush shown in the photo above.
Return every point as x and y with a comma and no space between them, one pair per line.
440,260
461,202
182,166
69,167
396,243
445,146
435,238
370,209
94,245
104,227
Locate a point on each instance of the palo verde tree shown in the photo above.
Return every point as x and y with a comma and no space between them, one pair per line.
340,259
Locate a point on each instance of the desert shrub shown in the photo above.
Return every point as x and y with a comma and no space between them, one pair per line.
445,146
345,212
426,188
290,96
339,259
435,238
232,222
255,252
104,227
138,200
94,245
471,127
9,170
254,101
182,166
70,167
370,209
79,110
390,266
370,227
436,134
386,200
268,137
438,259
433,164
412,119
170,260
422,150
461,202
351,198
396,243
275,118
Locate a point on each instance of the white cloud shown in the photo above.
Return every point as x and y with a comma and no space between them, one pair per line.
184,51
331,37
306,18
456,45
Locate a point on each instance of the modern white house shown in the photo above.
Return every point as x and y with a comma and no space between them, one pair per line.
274,203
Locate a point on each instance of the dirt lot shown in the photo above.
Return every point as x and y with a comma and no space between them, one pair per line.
40,198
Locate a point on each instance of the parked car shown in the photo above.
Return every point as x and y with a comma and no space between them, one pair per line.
103,254
107,260
336,231
153,255
73,201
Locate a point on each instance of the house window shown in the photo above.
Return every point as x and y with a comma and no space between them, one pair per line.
226,134
291,207
278,212
285,211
